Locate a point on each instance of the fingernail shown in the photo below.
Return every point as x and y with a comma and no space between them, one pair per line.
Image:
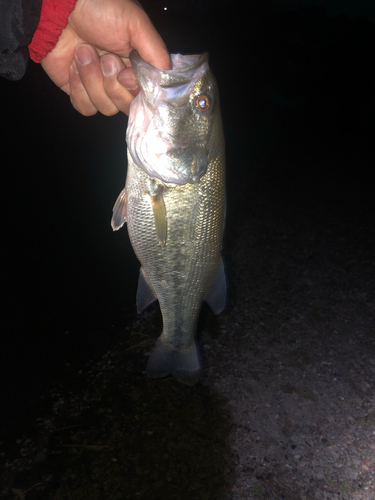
84,55
109,65
128,83
74,66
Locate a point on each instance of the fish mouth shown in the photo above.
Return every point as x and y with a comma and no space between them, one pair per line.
153,148
184,69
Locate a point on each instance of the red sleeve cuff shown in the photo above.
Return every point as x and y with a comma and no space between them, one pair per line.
53,19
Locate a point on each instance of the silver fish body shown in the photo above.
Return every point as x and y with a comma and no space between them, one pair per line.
174,204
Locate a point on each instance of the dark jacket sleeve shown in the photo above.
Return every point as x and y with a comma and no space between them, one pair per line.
18,21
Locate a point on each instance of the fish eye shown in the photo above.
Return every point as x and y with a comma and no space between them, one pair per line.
203,102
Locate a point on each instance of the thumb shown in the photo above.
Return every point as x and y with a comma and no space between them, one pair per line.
149,44
156,56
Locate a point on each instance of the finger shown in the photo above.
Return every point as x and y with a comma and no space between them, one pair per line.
127,79
120,95
88,64
66,88
78,95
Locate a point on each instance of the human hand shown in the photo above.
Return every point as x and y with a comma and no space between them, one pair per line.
91,57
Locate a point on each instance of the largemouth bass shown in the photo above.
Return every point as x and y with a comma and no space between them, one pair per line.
174,204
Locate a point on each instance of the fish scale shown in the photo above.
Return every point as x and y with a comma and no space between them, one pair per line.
187,267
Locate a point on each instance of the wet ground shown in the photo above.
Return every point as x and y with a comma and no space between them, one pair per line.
285,408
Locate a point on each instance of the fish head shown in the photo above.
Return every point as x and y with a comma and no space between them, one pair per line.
171,119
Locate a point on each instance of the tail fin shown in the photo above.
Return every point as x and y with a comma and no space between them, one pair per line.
184,365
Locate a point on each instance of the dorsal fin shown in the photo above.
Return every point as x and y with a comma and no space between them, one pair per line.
145,295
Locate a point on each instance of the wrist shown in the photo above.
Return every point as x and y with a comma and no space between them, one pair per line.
53,19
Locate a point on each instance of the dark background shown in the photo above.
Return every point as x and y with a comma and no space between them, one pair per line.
298,102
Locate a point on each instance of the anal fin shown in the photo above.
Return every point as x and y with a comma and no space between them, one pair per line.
217,295
145,295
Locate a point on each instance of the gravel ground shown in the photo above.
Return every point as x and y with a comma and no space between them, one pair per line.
286,405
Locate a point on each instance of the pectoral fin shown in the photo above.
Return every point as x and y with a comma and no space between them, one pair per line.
145,296
216,297
119,211
160,216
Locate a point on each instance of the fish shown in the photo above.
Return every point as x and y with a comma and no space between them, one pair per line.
174,204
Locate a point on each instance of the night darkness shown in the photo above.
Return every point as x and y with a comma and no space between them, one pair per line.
298,103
